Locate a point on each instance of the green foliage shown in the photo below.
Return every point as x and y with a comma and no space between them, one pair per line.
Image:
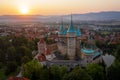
77,74
63,71
4,43
117,53
99,44
49,40
55,72
15,51
44,74
23,50
114,71
10,67
106,47
35,71
32,69
95,71
2,56
11,53
35,43
25,59
2,75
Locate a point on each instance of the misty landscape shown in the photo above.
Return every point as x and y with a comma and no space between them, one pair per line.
100,16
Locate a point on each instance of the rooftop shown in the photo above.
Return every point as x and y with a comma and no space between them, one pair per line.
88,51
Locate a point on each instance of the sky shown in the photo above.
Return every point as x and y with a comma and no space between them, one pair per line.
56,7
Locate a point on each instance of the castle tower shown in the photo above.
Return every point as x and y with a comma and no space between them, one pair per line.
41,46
71,41
61,28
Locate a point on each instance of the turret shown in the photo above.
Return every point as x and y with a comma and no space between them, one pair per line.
71,40
63,31
78,32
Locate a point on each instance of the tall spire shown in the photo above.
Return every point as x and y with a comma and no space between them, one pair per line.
61,20
71,27
62,29
71,20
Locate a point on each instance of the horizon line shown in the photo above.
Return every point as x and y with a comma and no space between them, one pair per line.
55,14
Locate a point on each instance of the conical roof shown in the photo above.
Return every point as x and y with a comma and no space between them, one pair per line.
63,31
71,27
78,32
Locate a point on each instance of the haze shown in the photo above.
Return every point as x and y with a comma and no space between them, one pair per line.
56,7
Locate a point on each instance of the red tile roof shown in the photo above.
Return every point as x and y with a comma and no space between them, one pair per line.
17,78
41,40
47,51
41,58
113,43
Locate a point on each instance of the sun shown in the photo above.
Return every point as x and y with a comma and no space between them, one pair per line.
24,11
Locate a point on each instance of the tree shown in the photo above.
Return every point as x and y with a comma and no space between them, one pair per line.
63,71
95,71
21,52
14,51
31,45
77,74
114,70
44,74
4,43
55,72
117,53
36,40
2,75
2,56
32,70
19,41
99,44
25,59
11,53
10,67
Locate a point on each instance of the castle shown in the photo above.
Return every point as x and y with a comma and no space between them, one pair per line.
69,44
69,38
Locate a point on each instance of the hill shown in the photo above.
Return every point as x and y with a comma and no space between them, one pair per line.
99,16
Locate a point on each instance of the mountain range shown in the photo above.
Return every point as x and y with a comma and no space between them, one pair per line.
99,16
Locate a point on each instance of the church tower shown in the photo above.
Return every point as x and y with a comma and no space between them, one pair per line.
71,41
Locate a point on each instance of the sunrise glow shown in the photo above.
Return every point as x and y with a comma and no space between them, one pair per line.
56,7
24,11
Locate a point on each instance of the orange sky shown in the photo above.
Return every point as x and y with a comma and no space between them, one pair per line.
57,7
